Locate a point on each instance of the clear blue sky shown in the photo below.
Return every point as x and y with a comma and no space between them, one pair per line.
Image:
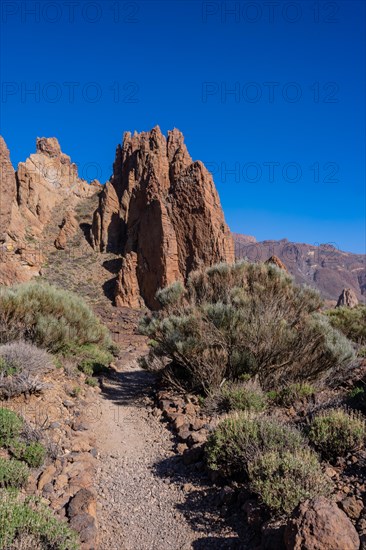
297,69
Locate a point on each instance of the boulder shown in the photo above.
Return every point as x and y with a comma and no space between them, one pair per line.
320,525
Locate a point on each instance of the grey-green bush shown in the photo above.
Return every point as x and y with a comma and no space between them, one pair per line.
244,319
242,437
337,432
283,479
240,396
49,317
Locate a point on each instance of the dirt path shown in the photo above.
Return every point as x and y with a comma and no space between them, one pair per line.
141,485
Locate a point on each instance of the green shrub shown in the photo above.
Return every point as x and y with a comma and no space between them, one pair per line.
243,319
357,398
288,395
10,426
92,359
284,479
49,317
362,352
13,473
242,437
350,321
337,432
32,522
90,381
32,453
242,397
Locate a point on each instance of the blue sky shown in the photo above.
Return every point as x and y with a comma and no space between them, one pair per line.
270,95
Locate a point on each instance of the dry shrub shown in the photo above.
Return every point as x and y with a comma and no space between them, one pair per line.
244,319
22,367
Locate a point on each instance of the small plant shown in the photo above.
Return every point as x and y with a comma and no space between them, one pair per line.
241,397
75,392
33,523
13,473
10,426
337,432
362,352
32,453
90,381
91,358
241,438
292,393
284,479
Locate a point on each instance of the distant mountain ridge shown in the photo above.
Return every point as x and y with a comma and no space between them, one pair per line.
324,267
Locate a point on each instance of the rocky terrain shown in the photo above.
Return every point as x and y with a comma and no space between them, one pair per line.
126,464
324,267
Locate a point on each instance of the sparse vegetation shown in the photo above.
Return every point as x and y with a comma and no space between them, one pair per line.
288,395
284,479
240,319
337,432
239,439
33,523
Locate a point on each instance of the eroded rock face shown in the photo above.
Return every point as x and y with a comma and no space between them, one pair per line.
348,298
161,211
320,525
8,189
67,230
27,199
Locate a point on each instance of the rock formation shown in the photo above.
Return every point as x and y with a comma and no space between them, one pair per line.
161,211
68,228
28,198
274,260
348,298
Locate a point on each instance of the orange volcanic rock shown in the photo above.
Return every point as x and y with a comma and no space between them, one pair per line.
28,198
161,211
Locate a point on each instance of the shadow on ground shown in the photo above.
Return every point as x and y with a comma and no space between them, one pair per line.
125,388
206,510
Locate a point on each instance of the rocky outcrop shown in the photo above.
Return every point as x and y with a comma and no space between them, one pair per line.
161,211
67,230
347,299
274,260
320,525
28,198
8,190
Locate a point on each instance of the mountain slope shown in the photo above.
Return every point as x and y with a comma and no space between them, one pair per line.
323,267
